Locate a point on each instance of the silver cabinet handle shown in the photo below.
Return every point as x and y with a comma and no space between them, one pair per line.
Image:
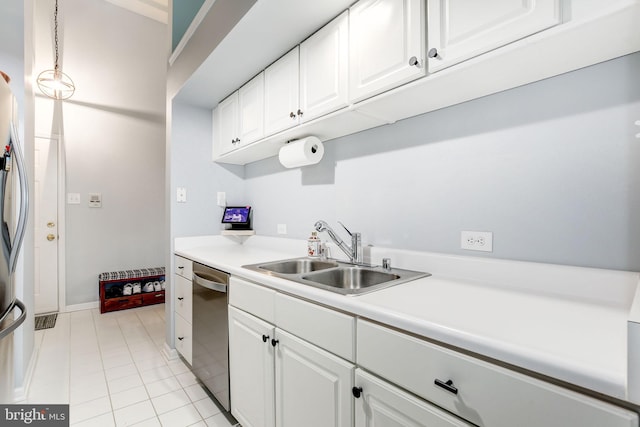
433,53
299,112
292,115
413,61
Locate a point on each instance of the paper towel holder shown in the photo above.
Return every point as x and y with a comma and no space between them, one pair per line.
300,152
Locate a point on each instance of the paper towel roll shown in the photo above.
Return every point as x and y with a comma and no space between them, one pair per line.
301,152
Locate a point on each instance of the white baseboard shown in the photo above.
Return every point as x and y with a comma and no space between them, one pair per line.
20,393
169,353
84,306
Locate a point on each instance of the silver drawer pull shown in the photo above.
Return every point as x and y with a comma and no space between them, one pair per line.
446,385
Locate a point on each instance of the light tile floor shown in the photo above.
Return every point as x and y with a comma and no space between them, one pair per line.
111,369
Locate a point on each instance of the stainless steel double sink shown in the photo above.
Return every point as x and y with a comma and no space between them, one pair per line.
337,276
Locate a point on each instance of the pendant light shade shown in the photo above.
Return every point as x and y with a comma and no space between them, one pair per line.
54,83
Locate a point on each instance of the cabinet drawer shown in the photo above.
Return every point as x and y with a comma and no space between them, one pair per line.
184,267
183,298
382,404
184,341
255,299
487,395
326,328
153,298
122,303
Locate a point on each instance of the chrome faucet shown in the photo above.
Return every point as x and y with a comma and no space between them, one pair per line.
354,252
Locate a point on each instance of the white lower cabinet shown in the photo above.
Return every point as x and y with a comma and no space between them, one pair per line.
182,303
251,369
313,387
287,371
477,391
380,404
279,379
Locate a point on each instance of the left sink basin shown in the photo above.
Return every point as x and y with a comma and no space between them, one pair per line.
296,266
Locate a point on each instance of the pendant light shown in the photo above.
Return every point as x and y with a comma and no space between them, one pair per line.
54,83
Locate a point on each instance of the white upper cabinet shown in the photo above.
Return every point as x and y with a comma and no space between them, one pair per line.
324,67
462,29
386,45
281,87
225,123
251,110
239,119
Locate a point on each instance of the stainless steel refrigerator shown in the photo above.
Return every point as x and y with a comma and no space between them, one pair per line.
14,201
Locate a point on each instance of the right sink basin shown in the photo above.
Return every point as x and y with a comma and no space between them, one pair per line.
351,278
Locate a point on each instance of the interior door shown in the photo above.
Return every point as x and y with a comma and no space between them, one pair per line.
46,225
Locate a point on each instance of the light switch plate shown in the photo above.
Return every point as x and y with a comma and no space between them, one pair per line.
282,228
73,198
222,199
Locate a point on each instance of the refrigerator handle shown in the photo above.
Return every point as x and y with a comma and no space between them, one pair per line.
17,322
24,201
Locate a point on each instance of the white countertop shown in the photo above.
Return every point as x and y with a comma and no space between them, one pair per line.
568,323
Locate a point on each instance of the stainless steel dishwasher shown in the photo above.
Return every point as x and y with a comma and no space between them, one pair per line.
211,331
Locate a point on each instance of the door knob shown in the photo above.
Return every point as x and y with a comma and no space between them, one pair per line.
50,237
51,224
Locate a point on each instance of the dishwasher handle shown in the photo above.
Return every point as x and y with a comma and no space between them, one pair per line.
210,284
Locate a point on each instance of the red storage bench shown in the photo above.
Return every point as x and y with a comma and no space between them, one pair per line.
124,289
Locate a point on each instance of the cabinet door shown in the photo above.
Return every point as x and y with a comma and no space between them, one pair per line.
251,111
324,66
251,369
381,404
312,386
384,35
184,338
281,93
226,124
183,298
461,29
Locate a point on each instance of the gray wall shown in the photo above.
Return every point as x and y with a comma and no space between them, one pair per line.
113,130
192,168
551,168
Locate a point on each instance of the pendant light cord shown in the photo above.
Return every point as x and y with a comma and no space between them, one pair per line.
55,29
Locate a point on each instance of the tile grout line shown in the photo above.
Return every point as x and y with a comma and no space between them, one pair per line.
104,371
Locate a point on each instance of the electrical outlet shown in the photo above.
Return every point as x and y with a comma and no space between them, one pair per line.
477,240
282,228
181,195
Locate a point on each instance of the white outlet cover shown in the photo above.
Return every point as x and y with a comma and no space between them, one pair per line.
282,228
477,240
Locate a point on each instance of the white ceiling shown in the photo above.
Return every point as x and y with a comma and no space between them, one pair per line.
154,9
266,32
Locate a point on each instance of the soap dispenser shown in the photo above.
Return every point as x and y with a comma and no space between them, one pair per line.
313,245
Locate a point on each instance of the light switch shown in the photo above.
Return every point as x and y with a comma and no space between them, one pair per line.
222,199
73,198
181,195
